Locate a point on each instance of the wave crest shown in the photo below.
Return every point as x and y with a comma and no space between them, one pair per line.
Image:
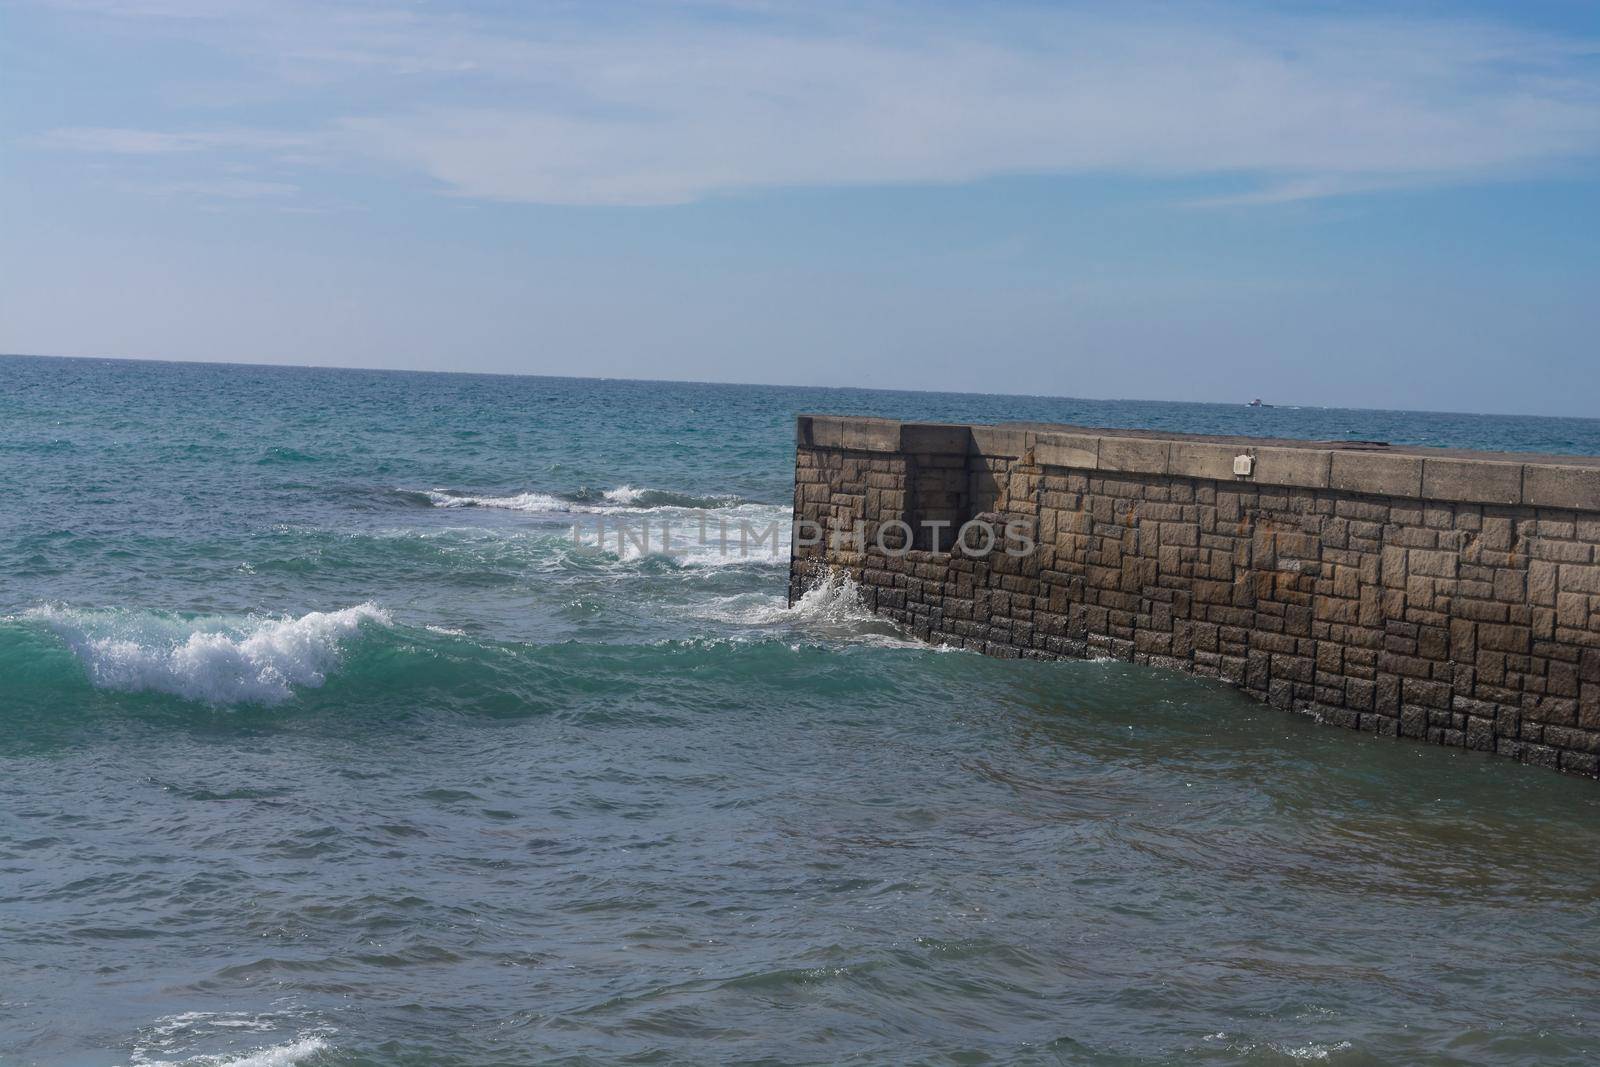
219,661
833,608
624,494
541,502
624,498
286,1055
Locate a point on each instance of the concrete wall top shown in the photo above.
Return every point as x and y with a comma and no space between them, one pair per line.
1369,467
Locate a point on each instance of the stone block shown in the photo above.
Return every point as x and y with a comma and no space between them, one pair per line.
1393,566
1413,722
1376,474
1581,763
1472,480
1067,450
1562,529
1579,579
1193,459
1560,551
1433,564
1134,454
1542,583
1572,609
1510,586
1480,734
1007,441
1306,468
871,435
936,438
1496,533
1551,486
1503,638
825,431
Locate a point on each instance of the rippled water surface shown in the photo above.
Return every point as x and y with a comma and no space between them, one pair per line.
322,743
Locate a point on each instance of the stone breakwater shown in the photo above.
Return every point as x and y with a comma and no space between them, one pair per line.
1451,597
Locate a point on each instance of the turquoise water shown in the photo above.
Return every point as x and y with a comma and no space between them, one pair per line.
322,742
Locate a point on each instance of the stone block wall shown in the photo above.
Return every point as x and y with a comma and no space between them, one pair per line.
1451,597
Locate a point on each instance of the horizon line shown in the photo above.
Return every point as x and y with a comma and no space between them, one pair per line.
783,385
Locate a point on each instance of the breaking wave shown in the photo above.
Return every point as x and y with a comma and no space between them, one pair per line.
831,609
584,501
624,494
357,662
541,502
285,1055
216,660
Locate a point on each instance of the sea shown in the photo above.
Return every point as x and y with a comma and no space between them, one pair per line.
338,727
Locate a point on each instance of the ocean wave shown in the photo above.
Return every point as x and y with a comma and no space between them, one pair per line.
741,534
211,659
624,494
746,535
285,1055
540,502
415,498
356,663
628,496
158,1043
584,501
836,600
832,609
753,535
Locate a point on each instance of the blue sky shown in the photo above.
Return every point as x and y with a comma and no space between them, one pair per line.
1351,204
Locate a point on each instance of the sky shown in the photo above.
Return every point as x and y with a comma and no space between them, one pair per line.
1355,204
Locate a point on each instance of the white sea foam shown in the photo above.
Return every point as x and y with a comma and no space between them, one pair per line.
835,601
277,1055
221,661
539,502
633,524
622,499
831,609
624,494
1313,1051
168,1026
285,1055
161,1040
748,534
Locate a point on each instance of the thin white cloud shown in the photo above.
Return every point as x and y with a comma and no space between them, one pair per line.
668,106
225,189
105,140
113,141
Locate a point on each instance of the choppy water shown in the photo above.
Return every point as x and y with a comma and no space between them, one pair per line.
321,743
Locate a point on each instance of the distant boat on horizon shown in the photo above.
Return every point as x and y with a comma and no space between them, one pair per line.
1256,403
